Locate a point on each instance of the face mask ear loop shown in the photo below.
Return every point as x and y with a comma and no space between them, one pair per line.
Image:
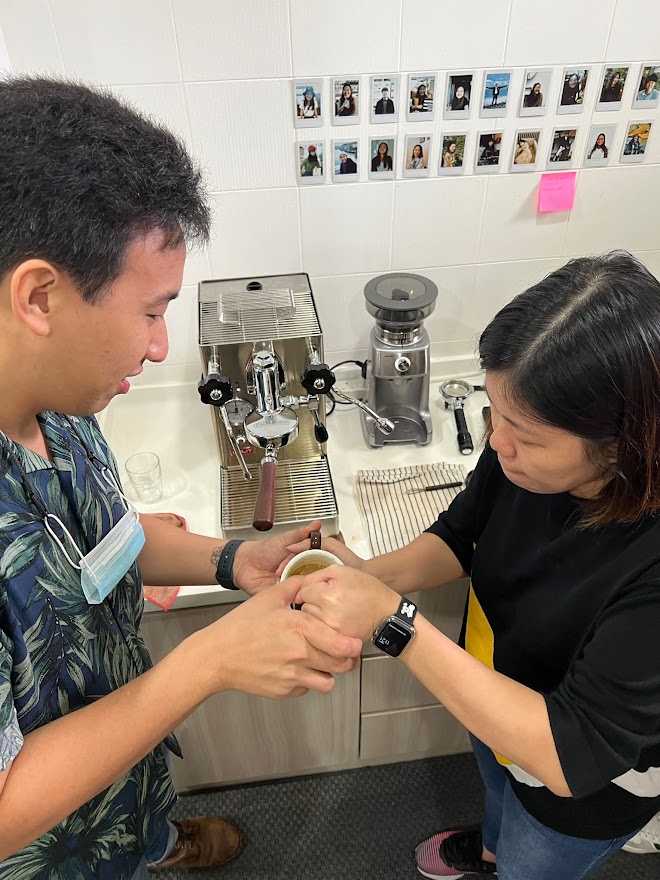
110,479
55,538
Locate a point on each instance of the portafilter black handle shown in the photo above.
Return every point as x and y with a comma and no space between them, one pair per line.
465,444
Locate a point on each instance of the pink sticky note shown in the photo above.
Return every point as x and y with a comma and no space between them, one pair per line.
557,191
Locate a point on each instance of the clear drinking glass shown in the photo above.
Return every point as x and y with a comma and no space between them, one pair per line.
144,472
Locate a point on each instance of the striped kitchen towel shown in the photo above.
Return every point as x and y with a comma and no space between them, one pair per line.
395,518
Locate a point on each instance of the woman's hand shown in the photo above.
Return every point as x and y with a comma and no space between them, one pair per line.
332,545
258,564
349,601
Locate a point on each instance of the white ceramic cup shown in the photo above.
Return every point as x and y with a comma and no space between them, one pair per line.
309,557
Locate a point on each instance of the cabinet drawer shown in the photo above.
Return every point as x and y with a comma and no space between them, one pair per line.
387,684
412,733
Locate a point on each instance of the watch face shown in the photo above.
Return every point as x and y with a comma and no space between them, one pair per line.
393,638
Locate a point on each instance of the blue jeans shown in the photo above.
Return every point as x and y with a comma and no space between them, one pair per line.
524,847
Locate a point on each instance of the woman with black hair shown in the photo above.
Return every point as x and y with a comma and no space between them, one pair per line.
382,161
557,676
599,149
346,104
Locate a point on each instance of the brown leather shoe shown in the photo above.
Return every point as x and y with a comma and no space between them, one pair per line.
204,842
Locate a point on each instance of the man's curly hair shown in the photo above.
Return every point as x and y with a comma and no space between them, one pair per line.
82,175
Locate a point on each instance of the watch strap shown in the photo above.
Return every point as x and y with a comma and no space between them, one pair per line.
406,611
225,570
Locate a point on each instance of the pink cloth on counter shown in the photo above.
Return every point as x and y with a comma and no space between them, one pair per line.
164,596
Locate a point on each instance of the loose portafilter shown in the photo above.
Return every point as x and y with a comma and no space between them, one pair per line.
455,393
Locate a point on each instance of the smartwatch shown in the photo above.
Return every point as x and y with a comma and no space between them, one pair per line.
225,569
396,632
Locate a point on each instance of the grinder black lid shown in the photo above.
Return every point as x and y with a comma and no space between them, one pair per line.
400,299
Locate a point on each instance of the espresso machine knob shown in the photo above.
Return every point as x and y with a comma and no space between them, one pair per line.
317,379
215,389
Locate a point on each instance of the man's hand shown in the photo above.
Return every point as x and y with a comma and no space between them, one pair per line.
265,648
350,601
257,563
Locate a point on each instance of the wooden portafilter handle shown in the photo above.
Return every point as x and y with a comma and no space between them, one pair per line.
264,508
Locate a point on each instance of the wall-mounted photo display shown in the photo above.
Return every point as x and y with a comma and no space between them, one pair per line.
385,98
346,101
345,161
611,88
308,102
459,95
561,148
536,87
636,141
452,154
310,161
495,96
526,151
574,87
421,95
381,158
600,144
416,155
489,148
647,94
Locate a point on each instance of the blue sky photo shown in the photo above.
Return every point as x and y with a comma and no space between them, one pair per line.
502,80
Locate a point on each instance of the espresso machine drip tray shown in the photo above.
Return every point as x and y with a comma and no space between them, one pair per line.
303,492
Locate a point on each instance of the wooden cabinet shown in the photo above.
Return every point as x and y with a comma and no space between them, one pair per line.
376,714
237,737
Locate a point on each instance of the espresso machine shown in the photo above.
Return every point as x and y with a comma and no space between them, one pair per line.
265,382
399,368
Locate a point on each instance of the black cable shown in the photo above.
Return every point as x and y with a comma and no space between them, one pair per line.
363,372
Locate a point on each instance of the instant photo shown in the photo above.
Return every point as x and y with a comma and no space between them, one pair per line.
495,96
310,157
416,155
561,148
452,154
611,88
421,97
381,158
526,151
385,98
308,103
536,88
346,101
647,93
600,146
345,161
635,142
459,95
573,90
489,147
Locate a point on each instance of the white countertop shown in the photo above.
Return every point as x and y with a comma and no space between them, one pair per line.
169,420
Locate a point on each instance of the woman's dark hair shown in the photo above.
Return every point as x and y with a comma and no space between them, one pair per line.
82,175
603,146
580,350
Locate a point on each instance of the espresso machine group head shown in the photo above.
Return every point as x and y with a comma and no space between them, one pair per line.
264,378
399,374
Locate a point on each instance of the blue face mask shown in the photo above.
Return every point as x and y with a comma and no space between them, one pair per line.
106,564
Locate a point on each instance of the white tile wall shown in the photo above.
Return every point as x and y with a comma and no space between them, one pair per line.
221,74
5,64
637,24
118,42
255,232
562,34
434,37
32,49
250,43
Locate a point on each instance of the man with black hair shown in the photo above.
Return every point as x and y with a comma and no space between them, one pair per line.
98,204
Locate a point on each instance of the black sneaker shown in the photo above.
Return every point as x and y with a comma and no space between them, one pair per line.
455,852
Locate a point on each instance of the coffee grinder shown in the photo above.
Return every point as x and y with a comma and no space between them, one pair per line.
399,367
